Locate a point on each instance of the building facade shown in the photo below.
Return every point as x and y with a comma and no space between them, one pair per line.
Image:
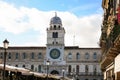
71,61
110,40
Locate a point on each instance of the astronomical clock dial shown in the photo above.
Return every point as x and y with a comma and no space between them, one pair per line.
55,53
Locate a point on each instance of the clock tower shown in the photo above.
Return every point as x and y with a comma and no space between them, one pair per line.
55,43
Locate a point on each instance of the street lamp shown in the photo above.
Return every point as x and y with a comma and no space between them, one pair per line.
5,46
47,63
63,70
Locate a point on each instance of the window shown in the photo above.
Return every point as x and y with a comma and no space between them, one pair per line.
70,56
39,55
39,68
69,69
32,55
9,56
59,26
55,35
50,27
86,55
32,67
23,66
16,55
24,55
55,27
95,55
94,69
77,56
1,55
52,42
16,65
86,68
77,69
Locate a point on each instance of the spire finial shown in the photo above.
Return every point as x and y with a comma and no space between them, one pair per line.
55,14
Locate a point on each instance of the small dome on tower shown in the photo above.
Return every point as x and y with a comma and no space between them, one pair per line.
55,20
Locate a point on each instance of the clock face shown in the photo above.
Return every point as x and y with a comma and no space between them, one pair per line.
55,53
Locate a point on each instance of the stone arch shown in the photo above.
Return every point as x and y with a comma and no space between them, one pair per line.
54,72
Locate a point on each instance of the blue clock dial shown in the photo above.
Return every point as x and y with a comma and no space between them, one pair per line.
55,53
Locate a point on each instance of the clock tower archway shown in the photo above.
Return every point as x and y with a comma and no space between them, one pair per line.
54,72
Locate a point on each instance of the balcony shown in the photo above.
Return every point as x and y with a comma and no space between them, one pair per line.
112,48
85,74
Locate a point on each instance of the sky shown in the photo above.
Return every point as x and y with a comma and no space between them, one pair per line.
24,22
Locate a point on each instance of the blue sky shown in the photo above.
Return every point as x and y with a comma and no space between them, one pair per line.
78,7
24,22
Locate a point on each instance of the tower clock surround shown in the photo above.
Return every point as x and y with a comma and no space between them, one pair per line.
55,53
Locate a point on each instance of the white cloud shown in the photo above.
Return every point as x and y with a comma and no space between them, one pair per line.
18,20
85,29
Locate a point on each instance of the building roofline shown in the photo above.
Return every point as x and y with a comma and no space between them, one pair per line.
44,47
25,47
77,47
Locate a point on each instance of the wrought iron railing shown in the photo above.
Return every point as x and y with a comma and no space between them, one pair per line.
86,74
112,37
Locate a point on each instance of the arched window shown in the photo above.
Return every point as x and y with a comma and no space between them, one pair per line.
23,66
39,55
77,69
16,65
69,69
24,55
70,56
59,26
55,27
39,68
32,55
95,55
77,56
56,35
86,55
32,67
16,55
9,56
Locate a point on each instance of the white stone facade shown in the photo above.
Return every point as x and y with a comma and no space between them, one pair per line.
92,61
